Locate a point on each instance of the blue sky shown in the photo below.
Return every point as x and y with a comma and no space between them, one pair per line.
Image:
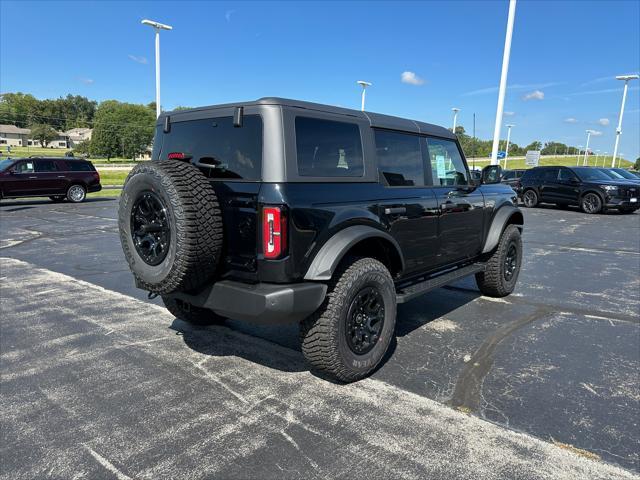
564,58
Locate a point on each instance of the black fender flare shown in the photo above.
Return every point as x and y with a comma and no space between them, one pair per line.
500,220
331,253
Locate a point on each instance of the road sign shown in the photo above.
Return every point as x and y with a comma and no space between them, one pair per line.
532,158
501,154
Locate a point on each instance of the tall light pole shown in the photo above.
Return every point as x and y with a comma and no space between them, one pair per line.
503,82
157,26
455,118
597,155
626,79
364,86
586,149
578,157
506,150
604,158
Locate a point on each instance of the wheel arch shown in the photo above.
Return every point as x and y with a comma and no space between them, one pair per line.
506,215
357,240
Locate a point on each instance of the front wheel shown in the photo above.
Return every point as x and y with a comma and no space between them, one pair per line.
191,314
591,203
76,193
530,198
503,267
347,337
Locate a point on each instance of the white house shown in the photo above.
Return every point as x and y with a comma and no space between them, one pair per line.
77,135
13,136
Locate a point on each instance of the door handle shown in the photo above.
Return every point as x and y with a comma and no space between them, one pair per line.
448,206
396,210
61,176
33,177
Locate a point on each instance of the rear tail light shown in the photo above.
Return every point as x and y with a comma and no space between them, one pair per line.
96,175
274,232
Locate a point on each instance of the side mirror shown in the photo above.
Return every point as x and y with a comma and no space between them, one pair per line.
491,174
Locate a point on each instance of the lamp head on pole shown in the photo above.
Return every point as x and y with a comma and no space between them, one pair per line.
455,110
364,84
158,25
627,77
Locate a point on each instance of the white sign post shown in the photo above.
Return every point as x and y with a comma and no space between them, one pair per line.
532,158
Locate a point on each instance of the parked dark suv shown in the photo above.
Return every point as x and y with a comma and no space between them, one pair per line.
512,178
284,211
588,187
56,178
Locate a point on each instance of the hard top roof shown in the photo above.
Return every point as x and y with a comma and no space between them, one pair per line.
375,119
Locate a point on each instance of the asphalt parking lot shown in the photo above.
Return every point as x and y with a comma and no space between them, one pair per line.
99,382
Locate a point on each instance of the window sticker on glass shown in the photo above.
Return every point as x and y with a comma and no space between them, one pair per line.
29,166
440,167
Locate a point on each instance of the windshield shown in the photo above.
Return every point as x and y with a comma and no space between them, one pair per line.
586,173
4,164
611,173
623,173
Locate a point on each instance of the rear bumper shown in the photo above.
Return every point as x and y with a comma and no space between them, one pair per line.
264,303
94,188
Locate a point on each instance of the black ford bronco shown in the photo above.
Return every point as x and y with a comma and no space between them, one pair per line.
280,211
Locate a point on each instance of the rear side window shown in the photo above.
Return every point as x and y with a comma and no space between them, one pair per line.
79,166
550,174
326,148
229,152
45,166
447,166
399,158
530,175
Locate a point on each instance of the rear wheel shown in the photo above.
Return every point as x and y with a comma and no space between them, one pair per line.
188,313
591,203
530,198
76,193
503,267
347,337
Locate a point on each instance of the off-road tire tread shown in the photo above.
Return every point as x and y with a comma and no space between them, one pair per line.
319,332
199,231
195,316
491,282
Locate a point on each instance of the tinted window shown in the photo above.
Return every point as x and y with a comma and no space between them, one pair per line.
550,174
78,166
566,175
24,167
399,158
509,175
590,174
447,166
326,148
4,164
46,166
531,175
232,152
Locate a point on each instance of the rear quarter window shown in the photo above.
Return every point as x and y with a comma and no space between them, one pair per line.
228,152
529,175
79,166
327,148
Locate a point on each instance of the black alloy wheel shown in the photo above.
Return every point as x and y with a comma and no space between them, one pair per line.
365,320
510,262
150,229
530,198
591,203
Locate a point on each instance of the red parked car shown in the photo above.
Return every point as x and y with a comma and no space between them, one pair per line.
56,178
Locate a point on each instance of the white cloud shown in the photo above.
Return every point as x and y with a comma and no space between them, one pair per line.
142,60
411,78
515,86
86,81
509,114
596,133
535,95
570,120
227,15
604,122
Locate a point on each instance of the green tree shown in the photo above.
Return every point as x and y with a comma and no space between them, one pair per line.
17,108
121,129
536,145
43,133
637,164
82,148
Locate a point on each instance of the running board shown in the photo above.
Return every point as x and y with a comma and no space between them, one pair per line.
410,292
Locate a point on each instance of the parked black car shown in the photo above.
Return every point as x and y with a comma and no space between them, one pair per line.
622,174
512,177
55,177
285,211
587,187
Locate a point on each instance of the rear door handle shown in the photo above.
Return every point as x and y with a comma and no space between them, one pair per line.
33,177
61,176
395,210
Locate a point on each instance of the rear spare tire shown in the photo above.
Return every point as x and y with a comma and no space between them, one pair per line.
170,226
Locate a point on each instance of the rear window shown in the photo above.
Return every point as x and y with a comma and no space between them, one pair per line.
326,148
46,166
229,152
79,166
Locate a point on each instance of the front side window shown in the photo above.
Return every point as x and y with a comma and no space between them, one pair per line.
447,166
509,175
399,158
326,148
45,166
229,152
24,167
